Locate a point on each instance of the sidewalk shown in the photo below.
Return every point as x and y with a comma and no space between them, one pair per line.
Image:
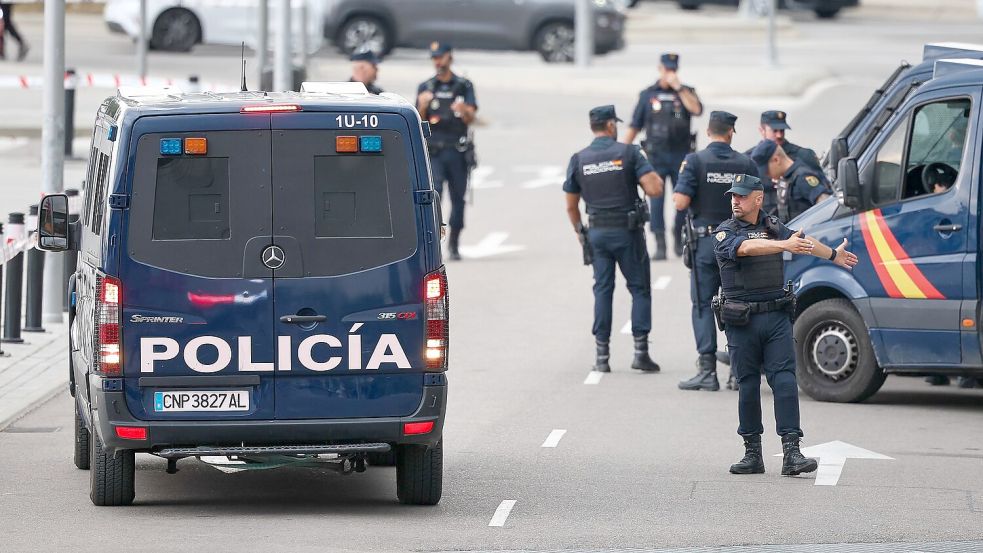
32,371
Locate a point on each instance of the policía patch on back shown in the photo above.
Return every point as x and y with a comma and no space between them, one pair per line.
813,181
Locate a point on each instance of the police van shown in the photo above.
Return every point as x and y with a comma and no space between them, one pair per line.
259,283
885,100
909,202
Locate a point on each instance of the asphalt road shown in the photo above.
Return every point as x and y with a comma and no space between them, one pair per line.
641,464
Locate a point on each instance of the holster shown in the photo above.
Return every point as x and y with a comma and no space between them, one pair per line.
715,307
735,313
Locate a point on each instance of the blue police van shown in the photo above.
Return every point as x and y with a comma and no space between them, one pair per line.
885,100
260,282
910,204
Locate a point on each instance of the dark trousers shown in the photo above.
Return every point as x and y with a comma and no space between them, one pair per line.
447,164
706,273
765,345
8,22
625,249
666,164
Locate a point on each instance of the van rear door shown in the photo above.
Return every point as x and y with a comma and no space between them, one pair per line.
348,297
197,321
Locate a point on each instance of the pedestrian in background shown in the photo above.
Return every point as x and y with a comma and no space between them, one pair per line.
607,175
7,13
664,111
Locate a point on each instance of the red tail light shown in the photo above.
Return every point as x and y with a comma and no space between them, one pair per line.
271,108
131,432
436,314
412,428
108,348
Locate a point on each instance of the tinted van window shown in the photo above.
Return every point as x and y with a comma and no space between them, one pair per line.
192,199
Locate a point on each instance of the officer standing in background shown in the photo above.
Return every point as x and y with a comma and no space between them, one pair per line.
798,187
773,125
703,179
756,310
606,174
365,69
664,111
448,102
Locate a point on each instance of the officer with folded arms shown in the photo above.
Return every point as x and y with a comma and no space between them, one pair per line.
756,308
606,175
703,179
797,185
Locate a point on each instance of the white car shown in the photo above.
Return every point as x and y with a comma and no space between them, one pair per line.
178,25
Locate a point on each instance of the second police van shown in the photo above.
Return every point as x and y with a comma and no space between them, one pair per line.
259,283
911,306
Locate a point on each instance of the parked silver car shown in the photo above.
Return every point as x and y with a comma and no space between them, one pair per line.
542,25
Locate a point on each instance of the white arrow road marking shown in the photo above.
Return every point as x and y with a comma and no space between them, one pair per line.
662,282
832,457
554,438
593,377
551,175
479,178
490,245
502,513
627,328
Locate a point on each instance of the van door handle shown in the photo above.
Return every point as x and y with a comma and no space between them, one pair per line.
947,227
303,319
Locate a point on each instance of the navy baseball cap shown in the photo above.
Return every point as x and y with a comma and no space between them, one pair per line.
670,60
724,117
438,49
763,151
365,55
775,119
744,185
601,114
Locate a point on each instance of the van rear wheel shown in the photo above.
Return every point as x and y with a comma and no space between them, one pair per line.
834,357
82,439
111,477
419,473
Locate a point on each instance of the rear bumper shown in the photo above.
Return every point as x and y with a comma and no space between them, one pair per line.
109,411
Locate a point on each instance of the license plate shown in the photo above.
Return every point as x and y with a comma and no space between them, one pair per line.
201,401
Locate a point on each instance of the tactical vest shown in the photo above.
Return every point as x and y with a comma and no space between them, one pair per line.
788,207
443,123
607,178
714,177
754,275
667,122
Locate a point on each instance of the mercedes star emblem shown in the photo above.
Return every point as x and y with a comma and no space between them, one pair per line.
273,257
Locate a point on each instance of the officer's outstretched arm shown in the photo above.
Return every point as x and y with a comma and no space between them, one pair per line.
652,184
843,258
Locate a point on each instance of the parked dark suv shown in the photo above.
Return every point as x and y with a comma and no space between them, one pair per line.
546,26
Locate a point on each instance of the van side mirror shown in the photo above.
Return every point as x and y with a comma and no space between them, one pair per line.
838,150
848,178
53,223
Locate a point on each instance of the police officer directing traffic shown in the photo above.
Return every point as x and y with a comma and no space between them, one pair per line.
606,174
756,309
448,102
365,69
798,187
664,111
703,179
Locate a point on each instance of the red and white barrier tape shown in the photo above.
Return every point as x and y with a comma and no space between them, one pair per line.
111,80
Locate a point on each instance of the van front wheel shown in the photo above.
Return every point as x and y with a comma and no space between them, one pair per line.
419,473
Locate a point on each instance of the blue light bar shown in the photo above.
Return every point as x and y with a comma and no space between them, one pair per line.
111,133
370,143
170,146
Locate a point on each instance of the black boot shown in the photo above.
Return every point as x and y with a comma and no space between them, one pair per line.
706,379
660,246
452,244
603,354
752,463
642,361
795,463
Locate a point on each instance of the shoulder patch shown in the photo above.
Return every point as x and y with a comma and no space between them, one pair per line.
720,236
813,181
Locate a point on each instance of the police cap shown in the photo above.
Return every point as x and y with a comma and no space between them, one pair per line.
670,60
775,119
602,114
365,55
763,151
744,185
438,49
724,117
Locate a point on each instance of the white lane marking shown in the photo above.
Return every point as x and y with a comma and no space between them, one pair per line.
554,438
832,457
662,282
12,142
502,513
593,377
479,178
493,244
627,328
550,175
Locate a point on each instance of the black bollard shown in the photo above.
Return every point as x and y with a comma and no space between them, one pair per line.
35,284
71,256
70,82
14,284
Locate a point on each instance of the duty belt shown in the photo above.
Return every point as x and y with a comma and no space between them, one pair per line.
611,220
771,305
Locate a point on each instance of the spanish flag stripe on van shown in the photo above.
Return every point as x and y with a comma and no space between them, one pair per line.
898,274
